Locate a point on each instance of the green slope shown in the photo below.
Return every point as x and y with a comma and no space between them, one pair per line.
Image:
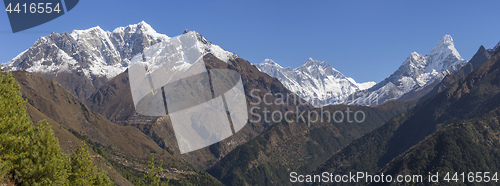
470,97
285,147
463,146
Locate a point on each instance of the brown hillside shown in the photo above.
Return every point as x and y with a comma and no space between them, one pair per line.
114,101
51,99
123,146
70,142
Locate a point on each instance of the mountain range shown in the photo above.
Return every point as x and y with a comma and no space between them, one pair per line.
448,132
109,95
322,85
314,81
85,59
438,104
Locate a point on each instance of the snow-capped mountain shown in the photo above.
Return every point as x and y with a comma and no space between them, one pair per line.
363,86
417,73
315,81
84,59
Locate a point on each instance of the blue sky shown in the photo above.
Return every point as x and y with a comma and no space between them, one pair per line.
366,40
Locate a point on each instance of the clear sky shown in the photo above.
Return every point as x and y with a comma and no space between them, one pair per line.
366,40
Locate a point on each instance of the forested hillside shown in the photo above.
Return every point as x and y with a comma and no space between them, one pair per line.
30,153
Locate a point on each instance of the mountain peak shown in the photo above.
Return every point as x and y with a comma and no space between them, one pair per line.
91,31
416,75
312,62
444,49
270,62
186,31
197,35
143,23
445,42
446,39
141,27
497,47
315,81
95,28
144,26
415,55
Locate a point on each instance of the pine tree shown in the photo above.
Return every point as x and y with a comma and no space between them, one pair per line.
154,177
45,164
15,127
80,167
30,154
82,170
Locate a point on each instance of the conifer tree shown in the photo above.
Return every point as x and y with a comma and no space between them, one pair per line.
154,176
83,171
30,154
